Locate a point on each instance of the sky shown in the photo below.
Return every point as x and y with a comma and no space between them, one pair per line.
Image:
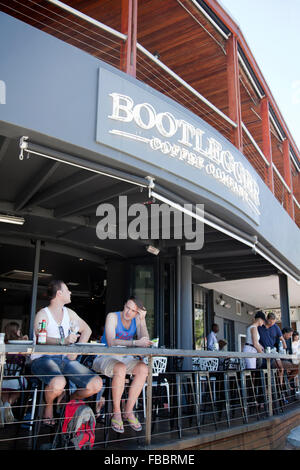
271,29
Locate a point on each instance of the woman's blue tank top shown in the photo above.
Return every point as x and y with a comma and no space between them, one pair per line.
121,331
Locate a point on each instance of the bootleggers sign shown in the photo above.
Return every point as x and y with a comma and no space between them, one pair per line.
140,123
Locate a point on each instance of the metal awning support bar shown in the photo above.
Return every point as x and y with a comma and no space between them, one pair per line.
252,244
36,149
88,19
202,219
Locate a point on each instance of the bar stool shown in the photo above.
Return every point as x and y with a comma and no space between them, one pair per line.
206,379
229,377
185,387
277,399
247,378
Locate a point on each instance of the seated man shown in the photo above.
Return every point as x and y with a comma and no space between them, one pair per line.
120,330
51,369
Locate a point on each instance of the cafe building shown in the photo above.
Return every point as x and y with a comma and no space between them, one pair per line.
142,152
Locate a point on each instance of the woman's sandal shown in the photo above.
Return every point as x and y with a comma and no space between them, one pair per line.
134,423
117,426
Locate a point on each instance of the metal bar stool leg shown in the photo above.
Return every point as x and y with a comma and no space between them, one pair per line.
227,397
254,394
39,415
212,400
240,397
244,375
179,405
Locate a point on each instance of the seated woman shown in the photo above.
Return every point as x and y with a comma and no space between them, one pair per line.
120,330
11,386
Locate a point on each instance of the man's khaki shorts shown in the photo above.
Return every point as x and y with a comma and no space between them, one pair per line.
105,364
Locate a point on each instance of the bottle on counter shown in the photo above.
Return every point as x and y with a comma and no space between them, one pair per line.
42,336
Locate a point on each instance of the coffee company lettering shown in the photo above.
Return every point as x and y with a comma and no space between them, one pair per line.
179,139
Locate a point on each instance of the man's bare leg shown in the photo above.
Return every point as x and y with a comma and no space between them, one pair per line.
118,384
93,387
140,373
52,391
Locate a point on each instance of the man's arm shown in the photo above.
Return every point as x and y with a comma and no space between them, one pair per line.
281,338
141,326
283,342
83,328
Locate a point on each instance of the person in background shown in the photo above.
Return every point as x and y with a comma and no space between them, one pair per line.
291,369
11,386
270,335
295,345
64,327
120,330
252,339
213,344
296,350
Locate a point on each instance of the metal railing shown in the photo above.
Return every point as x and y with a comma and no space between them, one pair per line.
181,402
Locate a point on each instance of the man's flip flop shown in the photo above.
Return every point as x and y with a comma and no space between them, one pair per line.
117,426
134,424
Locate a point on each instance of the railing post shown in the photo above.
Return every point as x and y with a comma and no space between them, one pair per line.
234,93
149,402
269,387
129,27
267,144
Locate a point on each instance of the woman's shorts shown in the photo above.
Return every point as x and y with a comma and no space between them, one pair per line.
105,364
47,367
250,361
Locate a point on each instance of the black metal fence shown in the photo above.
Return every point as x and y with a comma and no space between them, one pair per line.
216,392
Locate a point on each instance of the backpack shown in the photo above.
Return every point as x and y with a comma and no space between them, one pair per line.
78,426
